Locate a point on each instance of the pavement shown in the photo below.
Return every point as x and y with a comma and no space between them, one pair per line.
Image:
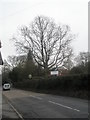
7,110
36,105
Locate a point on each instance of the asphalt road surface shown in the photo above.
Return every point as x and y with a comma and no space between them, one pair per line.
8,110
35,105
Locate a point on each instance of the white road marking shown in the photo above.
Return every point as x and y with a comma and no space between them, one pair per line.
55,103
35,97
77,110
20,116
64,106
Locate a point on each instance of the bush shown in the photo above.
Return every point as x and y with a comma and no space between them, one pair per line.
71,84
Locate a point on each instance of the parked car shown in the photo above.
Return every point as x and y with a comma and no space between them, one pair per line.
6,86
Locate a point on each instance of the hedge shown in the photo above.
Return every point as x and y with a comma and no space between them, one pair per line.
69,84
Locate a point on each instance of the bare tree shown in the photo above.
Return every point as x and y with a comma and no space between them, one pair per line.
6,67
16,60
69,63
82,58
48,42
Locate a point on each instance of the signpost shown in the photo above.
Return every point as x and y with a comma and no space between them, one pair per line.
30,76
54,73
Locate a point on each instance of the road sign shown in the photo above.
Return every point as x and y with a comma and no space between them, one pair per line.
54,72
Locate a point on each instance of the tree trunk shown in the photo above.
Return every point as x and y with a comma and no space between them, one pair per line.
46,70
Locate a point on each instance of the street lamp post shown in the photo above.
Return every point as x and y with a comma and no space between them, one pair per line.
1,61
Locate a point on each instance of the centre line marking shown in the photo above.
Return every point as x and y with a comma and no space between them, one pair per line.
64,106
35,97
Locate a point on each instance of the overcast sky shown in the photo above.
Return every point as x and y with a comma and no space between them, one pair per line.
14,13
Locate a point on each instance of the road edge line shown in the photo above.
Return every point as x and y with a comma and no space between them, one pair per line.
19,115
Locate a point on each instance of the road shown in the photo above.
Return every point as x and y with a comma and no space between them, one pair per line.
35,105
7,110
